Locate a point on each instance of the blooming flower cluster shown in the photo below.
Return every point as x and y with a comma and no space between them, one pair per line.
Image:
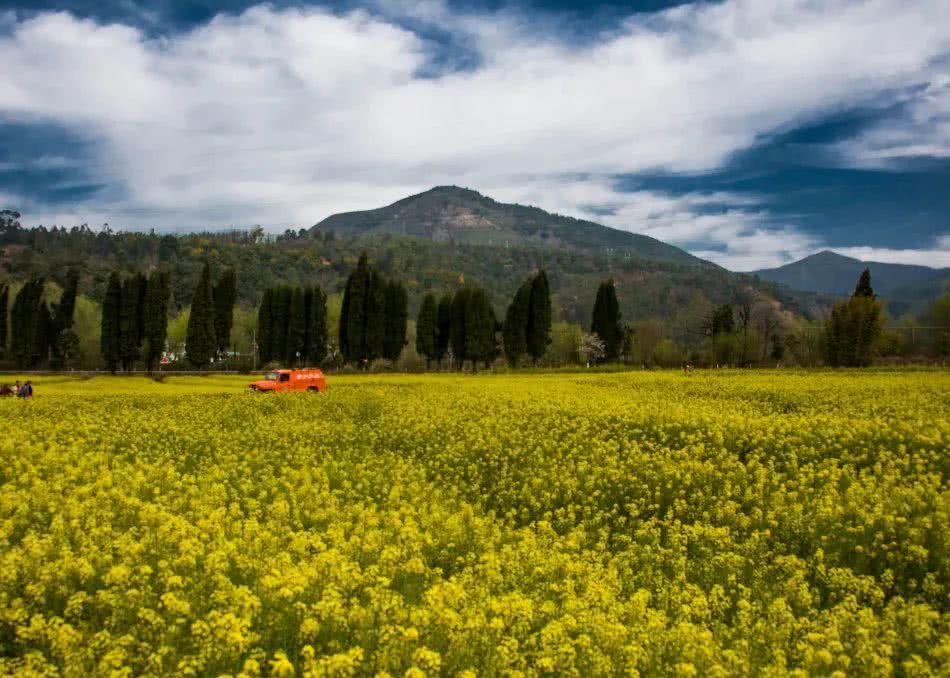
645,523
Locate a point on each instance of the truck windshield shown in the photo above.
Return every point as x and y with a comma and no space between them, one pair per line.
271,376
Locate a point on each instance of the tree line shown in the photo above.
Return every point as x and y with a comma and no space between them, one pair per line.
293,326
40,330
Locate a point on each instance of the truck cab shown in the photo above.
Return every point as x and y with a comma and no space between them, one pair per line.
285,381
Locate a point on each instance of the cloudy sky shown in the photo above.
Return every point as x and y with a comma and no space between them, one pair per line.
750,132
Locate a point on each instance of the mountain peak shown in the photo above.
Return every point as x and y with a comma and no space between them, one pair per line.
454,214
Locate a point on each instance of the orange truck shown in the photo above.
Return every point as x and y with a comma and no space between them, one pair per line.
288,381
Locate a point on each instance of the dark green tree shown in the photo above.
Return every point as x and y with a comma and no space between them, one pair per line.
722,321
295,348
4,305
443,328
605,321
157,292
110,341
131,314
265,327
396,319
426,328
29,318
480,323
515,331
283,297
200,344
863,288
225,295
362,318
317,330
538,332
458,329
854,327
64,341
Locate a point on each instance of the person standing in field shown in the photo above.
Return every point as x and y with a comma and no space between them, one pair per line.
26,391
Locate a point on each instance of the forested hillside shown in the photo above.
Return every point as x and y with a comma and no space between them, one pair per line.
647,288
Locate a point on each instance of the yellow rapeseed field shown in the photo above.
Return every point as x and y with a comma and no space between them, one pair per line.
728,523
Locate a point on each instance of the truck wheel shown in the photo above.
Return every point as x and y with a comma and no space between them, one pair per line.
313,389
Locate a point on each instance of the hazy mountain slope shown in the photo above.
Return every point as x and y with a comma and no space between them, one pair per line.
830,273
451,214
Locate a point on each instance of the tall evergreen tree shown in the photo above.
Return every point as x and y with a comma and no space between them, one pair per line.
296,328
110,341
4,305
396,319
130,313
225,294
317,330
458,329
863,288
605,322
265,327
353,313
280,317
538,331
29,325
443,328
427,328
374,332
363,316
515,332
854,327
157,291
64,342
200,344
479,328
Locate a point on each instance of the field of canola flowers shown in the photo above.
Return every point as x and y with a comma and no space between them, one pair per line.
573,524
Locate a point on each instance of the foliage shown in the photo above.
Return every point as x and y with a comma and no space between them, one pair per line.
225,295
156,317
427,328
4,306
605,322
515,329
735,523
111,333
538,330
200,344
854,327
395,317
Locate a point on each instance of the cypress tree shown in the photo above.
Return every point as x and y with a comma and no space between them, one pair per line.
265,327
443,328
375,318
30,325
318,332
605,322
225,294
515,331
396,318
296,328
426,328
4,303
863,288
63,341
110,339
156,317
538,332
353,315
479,328
200,344
130,314
458,329
283,296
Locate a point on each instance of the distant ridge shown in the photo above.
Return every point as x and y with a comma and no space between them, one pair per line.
461,215
905,287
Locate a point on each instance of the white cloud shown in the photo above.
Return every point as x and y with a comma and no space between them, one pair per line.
939,257
283,117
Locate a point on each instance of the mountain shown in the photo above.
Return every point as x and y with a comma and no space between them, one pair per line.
450,214
906,288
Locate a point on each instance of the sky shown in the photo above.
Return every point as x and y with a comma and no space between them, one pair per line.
749,132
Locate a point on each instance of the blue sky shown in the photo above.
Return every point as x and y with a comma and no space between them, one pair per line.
750,132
